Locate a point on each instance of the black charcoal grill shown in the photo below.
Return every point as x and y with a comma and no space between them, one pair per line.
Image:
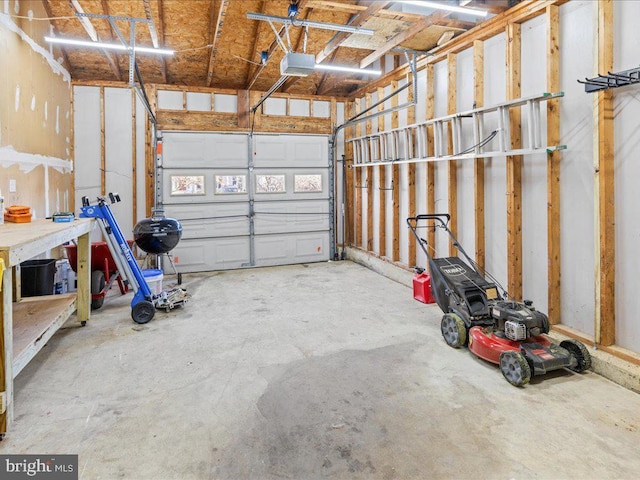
158,235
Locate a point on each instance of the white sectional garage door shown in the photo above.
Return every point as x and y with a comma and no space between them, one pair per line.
245,200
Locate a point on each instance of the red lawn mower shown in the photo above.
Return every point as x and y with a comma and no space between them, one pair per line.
479,314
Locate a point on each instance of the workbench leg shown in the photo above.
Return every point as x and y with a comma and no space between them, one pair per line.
6,351
84,278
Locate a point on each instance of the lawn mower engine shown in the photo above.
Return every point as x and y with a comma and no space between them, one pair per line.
519,321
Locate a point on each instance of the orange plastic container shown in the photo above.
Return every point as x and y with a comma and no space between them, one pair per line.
18,210
422,288
20,218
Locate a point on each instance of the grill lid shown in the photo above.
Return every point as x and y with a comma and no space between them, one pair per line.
158,234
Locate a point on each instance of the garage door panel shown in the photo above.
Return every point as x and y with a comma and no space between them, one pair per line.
198,221
204,150
290,217
291,248
292,184
289,151
212,254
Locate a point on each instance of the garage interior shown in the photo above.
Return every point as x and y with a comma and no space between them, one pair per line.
302,352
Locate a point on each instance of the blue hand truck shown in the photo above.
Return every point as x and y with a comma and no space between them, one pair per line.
144,303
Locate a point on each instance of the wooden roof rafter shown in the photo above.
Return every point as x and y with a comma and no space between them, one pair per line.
86,24
112,35
47,9
156,30
412,31
260,26
357,21
325,74
215,34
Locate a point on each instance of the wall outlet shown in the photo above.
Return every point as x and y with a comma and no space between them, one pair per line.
12,185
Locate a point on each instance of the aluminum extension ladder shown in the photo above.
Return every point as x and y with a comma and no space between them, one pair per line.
410,144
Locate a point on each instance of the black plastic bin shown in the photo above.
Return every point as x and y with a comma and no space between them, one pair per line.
37,277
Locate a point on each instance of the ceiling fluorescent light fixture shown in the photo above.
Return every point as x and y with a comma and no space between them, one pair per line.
448,8
111,46
339,68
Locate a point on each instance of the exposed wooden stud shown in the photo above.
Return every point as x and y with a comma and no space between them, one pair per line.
478,167
514,166
403,36
452,165
412,258
134,158
382,186
216,32
359,191
360,18
395,173
103,160
72,190
244,115
553,167
431,171
349,109
368,131
150,155
184,99
605,312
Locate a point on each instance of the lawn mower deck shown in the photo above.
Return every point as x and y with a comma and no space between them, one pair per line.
479,314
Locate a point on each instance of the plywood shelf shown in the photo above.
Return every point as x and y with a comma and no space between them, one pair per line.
35,320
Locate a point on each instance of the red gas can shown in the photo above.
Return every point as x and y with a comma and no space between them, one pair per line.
422,287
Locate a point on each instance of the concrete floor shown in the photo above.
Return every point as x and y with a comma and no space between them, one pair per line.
308,371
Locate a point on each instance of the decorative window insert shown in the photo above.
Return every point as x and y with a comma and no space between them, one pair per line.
270,184
307,183
187,185
227,184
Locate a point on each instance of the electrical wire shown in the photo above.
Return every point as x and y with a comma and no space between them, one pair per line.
480,144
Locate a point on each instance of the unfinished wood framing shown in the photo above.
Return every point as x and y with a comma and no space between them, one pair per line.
605,312
478,165
359,192
553,166
431,168
452,165
216,32
150,155
412,258
395,183
103,159
382,188
514,166
368,130
134,158
349,109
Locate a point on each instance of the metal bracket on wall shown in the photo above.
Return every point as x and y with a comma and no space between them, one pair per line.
611,80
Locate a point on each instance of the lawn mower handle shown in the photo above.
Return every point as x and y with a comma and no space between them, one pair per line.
430,216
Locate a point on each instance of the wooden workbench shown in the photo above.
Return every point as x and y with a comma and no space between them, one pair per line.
29,323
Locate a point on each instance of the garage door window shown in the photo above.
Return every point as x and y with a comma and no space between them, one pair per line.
307,184
187,185
270,184
226,184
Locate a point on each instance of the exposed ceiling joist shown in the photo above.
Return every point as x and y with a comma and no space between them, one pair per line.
394,42
357,21
91,31
112,36
216,33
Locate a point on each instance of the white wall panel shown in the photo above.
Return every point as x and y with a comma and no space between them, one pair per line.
224,103
441,90
627,173
169,100
464,100
576,170
118,151
141,172
495,168
534,170
87,143
198,102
